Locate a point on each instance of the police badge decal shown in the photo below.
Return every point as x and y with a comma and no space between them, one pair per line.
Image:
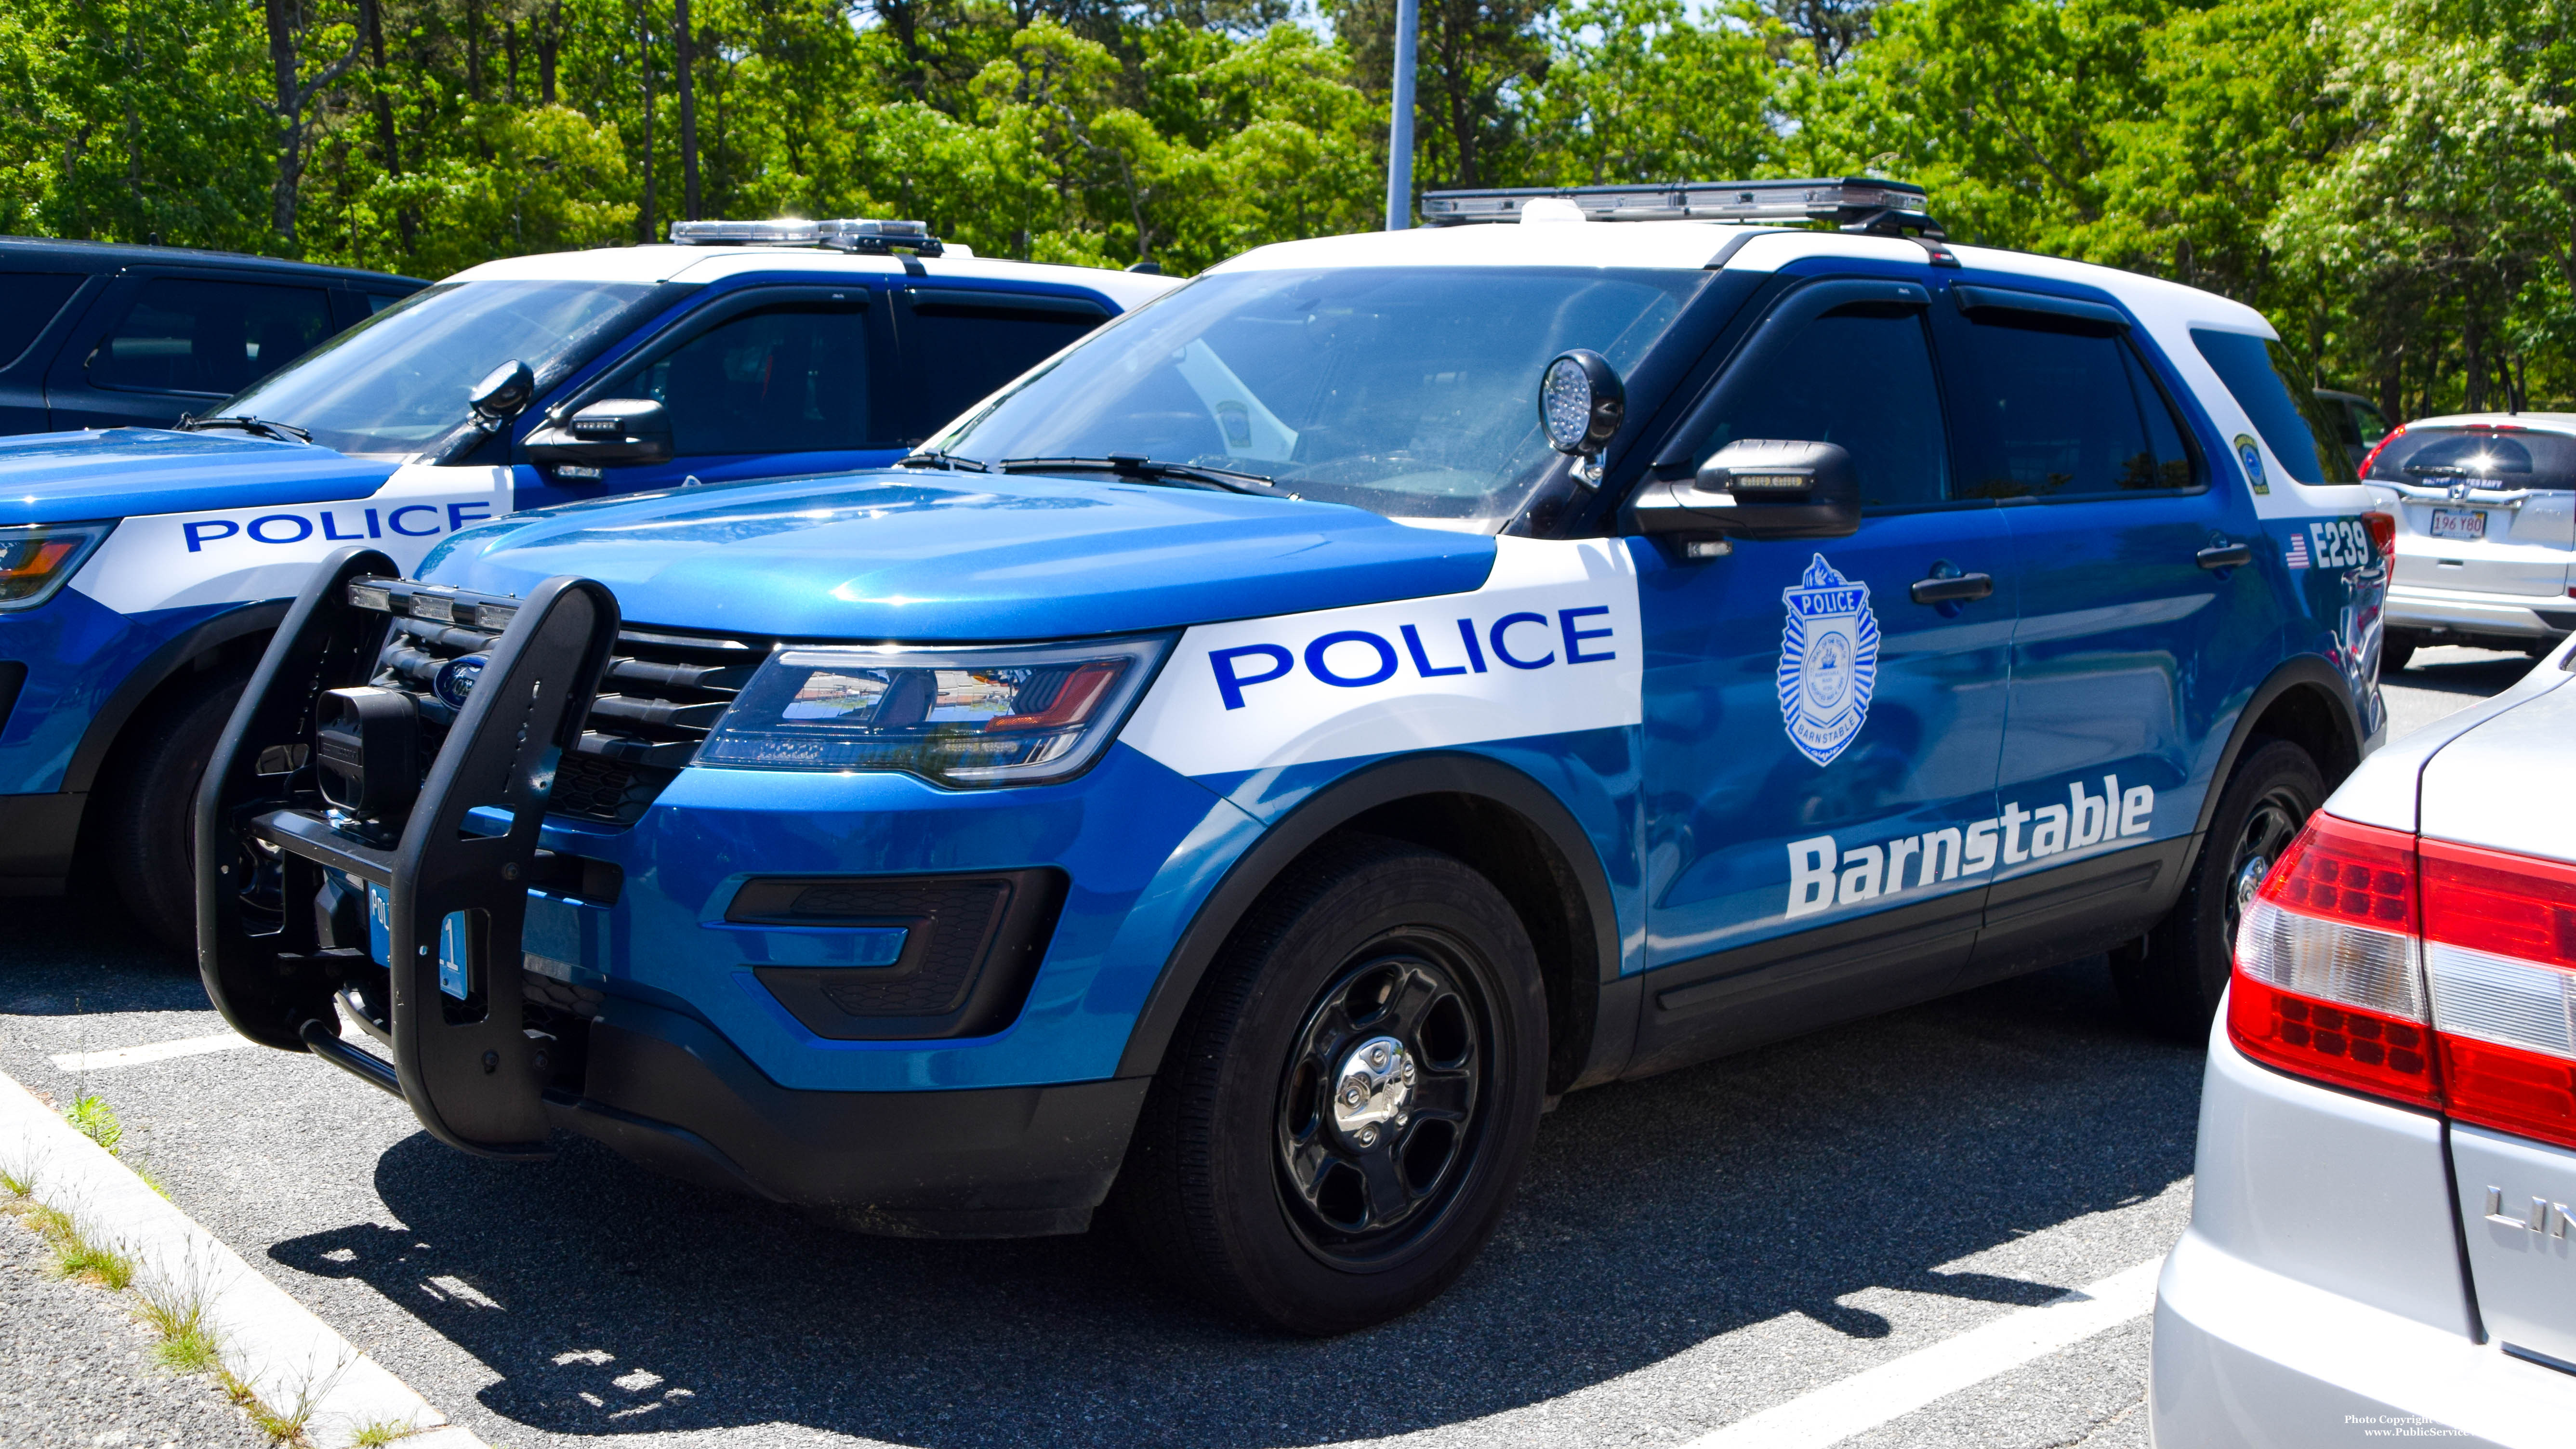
1828,661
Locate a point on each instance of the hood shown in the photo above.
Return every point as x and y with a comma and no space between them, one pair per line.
949,557
137,472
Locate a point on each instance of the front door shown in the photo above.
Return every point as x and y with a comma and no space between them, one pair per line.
1820,749
2135,635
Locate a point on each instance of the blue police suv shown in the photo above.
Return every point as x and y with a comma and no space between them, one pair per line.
142,570
1240,773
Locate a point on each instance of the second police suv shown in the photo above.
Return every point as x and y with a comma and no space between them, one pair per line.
1242,772
142,569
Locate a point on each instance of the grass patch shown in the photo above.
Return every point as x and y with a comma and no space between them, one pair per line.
76,1253
96,1121
380,1433
287,1428
176,1314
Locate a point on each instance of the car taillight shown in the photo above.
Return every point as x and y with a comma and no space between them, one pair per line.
2373,455
2329,980
2500,953
2429,973
2383,535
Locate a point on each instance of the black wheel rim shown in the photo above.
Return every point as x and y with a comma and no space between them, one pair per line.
1381,1101
2271,825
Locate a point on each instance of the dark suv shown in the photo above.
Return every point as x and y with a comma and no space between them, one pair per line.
100,335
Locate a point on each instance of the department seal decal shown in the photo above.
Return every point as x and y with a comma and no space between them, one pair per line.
2252,457
1828,661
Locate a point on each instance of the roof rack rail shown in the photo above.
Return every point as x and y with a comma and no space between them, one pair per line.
849,234
1853,203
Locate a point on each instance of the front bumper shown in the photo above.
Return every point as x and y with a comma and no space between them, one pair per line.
2460,611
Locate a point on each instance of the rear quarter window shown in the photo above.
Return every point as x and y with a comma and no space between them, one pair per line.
2505,458
28,301
2291,418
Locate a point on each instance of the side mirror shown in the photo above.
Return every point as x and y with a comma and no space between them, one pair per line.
1759,488
1581,404
503,394
612,432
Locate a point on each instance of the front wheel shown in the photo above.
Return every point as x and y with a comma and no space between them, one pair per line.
1346,1110
151,801
2174,985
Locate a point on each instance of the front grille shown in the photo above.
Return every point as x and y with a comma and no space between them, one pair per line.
663,692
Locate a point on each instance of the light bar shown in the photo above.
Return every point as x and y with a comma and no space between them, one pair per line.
849,234
1858,202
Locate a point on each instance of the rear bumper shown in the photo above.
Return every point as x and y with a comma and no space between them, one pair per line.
2522,616
2245,1356
667,1091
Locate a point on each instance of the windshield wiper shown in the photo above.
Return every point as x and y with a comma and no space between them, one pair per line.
1147,470
259,427
933,458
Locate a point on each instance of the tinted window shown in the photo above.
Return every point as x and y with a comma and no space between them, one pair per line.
959,347
1860,377
2291,418
183,335
2435,457
2056,411
779,380
29,300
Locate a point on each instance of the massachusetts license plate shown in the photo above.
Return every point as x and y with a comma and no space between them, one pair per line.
2459,523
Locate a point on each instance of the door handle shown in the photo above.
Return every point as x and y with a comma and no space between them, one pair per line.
2225,556
1954,589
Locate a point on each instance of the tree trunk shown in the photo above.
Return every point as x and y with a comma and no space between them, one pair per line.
644,57
288,109
510,58
371,20
548,39
474,49
2475,366
685,46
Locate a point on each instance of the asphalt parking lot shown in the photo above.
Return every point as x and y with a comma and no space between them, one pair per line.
1686,1251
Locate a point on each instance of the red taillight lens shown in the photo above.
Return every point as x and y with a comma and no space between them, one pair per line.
2328,977
2373,455
2500,955
2383,534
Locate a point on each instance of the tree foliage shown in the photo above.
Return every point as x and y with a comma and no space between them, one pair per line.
2390,180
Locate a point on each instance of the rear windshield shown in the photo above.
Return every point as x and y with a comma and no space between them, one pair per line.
2506,458
2290,417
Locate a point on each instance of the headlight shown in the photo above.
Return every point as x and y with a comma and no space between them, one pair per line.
35,559
1018,715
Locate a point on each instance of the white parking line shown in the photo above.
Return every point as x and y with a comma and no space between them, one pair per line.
159,1051
1894,1389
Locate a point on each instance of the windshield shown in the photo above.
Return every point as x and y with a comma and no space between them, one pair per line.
1409,391
397,382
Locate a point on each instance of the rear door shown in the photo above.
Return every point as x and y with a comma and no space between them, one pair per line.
2129,651
2488,509
1820,750
959,345
161,345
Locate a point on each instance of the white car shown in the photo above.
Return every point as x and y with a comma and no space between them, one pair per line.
2381,1243
2486,531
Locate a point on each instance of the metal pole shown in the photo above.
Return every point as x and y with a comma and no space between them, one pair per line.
1399,137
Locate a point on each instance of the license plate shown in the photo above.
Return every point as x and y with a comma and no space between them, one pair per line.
2459,523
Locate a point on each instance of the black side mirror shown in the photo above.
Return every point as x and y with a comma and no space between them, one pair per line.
1581,404
612,432
503,394
1759,488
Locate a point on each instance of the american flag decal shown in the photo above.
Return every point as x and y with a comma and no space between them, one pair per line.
2299,549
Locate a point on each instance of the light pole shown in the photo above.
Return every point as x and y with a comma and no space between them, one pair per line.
1399,135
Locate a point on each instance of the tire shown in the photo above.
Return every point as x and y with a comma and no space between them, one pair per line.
1276,1197
2174,984
147,847
2395,650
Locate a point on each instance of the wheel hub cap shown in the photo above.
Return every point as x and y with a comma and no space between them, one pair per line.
2249,879
1373,1087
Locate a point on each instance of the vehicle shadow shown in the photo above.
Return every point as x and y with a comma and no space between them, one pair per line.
1656,1215
79,954
2453,670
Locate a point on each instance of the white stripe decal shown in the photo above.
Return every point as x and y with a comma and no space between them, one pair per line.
1892,1390
160,1051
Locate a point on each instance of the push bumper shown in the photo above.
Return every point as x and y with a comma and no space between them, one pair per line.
2459,611
2246,1356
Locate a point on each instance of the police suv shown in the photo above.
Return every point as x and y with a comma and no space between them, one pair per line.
142,570
1243,771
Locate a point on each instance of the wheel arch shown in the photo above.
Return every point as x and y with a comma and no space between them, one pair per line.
1498,820
236,636
2306,701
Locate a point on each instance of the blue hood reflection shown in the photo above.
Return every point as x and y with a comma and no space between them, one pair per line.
961,557
137,472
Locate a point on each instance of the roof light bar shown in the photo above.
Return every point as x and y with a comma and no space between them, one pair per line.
1854,203
873,235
